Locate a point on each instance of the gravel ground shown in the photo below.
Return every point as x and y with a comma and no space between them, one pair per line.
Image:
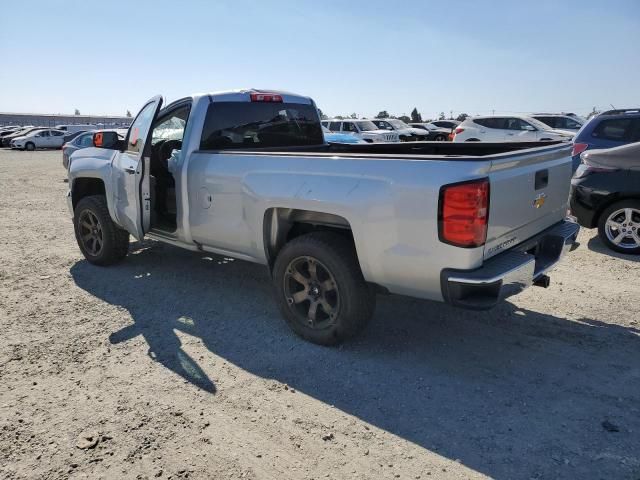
178,365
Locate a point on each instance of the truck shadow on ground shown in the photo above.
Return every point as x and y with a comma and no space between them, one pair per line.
509,393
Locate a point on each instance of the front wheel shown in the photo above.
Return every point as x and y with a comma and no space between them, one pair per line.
320,289
100,240
30,146
619,226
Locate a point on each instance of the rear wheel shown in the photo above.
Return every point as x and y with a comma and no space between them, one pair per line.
100,240
440,138
619,226
320,289
30,146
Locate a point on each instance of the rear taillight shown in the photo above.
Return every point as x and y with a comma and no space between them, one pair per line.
458,130
578,148
463,213
266,97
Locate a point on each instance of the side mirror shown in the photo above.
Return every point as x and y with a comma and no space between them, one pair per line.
109,140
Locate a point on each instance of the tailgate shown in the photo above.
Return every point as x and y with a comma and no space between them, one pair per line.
529,192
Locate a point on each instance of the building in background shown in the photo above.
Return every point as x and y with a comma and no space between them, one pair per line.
51,120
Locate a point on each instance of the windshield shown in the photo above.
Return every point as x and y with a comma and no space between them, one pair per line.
398,123
367,126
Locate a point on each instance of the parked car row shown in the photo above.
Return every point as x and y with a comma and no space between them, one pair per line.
537,127
30,138
361,129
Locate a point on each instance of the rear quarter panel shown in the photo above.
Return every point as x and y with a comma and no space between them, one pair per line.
390,204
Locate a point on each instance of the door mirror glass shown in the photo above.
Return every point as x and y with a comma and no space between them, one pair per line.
108,140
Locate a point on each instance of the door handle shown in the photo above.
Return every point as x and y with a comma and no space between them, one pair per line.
130,170
541,179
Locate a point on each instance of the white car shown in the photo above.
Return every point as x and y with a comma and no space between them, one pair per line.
405,132
506,129
363,129
39,139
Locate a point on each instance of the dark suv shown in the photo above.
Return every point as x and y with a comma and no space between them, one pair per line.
609,129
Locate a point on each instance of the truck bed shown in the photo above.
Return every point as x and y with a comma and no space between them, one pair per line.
408,149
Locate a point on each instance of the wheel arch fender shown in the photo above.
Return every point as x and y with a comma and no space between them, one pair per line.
91,176
281,224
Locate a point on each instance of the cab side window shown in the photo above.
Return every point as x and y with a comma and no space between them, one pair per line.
171,127
334,126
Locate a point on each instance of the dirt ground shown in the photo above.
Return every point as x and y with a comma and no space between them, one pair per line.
178,365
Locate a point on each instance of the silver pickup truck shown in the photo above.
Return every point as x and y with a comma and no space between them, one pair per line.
247,174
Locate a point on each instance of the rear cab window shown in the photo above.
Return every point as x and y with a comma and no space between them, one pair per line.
236,125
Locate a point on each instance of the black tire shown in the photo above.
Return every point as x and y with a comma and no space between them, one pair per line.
440,138
626,244
352,300
30,146
93,226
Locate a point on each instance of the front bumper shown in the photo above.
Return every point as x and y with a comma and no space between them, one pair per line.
510,272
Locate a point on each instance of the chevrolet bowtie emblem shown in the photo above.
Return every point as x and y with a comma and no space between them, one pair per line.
539,201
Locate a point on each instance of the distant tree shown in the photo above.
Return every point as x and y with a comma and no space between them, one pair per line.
404,118
462,117
128,114
322,115
442,116
354,115
339,117
383,114
593,113
77,112
415,116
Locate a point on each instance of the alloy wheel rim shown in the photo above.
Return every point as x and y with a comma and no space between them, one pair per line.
91,233
623,228
311,292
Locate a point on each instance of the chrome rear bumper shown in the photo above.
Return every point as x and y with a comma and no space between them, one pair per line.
510,272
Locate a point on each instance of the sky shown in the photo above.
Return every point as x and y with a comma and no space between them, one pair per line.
359,57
